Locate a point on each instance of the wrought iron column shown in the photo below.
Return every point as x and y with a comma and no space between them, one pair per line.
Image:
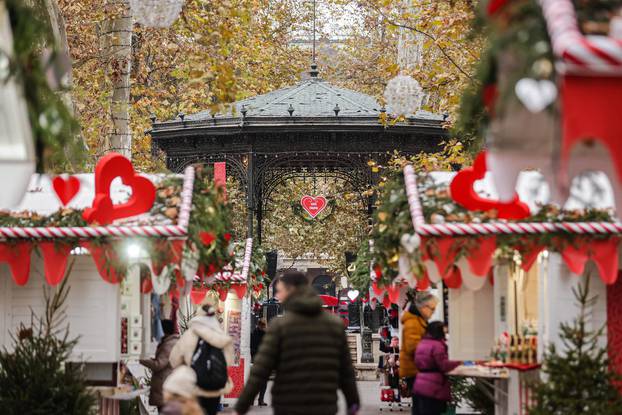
250,194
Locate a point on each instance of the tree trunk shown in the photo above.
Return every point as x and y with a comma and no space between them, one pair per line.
117,34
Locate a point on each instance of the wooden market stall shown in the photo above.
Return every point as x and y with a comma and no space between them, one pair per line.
118,237
511,280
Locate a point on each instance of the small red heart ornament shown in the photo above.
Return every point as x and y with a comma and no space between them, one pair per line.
313,205
103,211
463,193
66,189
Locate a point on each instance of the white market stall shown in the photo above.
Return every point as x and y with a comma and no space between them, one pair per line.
162,234
522,299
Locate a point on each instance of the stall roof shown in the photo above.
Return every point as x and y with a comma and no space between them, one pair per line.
41,207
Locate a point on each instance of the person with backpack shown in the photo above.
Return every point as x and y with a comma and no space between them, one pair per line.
432,388
308,349
208,350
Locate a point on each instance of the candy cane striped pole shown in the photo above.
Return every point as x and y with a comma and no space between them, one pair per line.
599,55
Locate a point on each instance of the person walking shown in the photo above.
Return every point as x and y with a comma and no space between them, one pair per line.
414,322
308,349
256,338
179,393
160,366
432,388
209,351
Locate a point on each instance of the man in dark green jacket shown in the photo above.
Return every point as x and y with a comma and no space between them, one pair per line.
308,349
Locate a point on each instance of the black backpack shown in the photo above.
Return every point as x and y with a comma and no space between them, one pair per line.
210,365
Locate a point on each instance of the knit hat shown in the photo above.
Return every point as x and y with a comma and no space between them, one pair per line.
182,381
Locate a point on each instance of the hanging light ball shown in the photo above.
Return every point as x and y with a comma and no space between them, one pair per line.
403,95
156,13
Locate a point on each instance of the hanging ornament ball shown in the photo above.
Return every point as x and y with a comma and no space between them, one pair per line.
403,95
156,13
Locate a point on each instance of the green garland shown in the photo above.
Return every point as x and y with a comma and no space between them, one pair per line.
359,272
55,131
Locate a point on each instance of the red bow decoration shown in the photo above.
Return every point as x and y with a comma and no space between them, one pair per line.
463,193
66,190
103,211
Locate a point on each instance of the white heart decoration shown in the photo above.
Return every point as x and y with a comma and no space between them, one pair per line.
535,95
353,294
410,242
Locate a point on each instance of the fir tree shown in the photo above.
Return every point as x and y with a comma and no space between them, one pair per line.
35,378
578,380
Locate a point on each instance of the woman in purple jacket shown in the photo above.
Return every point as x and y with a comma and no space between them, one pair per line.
432,387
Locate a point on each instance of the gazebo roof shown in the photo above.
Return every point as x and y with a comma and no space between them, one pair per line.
312,97
311,103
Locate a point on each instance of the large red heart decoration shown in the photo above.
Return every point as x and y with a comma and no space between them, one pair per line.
463,193
66,190
103,211
314,205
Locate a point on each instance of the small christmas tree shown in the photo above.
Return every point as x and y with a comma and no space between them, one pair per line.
578,380
35,378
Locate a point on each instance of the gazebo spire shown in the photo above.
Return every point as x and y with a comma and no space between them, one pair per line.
313,72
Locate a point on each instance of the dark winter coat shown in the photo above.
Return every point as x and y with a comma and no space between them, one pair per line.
160,368
433,364
256,338
308,349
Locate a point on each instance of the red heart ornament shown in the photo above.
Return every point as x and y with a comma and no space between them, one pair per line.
67,189
313,205
103,211
463,193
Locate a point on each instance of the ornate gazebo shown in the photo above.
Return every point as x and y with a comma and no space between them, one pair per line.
310,129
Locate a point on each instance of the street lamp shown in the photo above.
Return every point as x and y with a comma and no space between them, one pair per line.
17,155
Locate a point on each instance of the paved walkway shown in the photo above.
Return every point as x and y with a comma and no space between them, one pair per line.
370,396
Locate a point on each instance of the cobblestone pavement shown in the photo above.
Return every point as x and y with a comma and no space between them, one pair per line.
370,396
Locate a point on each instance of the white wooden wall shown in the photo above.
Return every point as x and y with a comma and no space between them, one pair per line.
92,308
471,323
557,302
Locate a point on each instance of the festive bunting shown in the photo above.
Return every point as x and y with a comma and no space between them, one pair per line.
146,286
386,302
377,290
480,255
104,258
18,257
529,252
423,284
453,279
103,211
222,293
55,256
239,289
67,189
604,253
197,295
445,257
470,279
393,293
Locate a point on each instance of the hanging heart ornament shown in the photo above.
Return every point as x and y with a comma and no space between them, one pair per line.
66,189
535,95
353,295
313,205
